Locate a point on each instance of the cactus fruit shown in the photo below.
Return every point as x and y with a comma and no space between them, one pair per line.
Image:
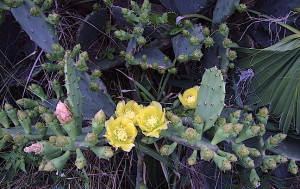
234,117
222,162
56,86
192,160
249,132
91,138
41,128
240,150
222,133
254,178
208,42
12,114
80,161
229,156
211,97
38,90
27,103
4,119
103,152
273,141
293,167
254,152
177,125
263,115
269,162
52,124
247,162
166,150
191,134
58,163
206,153
25,121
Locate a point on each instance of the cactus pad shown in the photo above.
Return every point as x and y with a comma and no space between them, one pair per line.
211,97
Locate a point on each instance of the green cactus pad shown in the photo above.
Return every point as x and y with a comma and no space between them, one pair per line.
39,30
211,97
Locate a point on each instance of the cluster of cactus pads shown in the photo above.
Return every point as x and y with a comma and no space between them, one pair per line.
54,135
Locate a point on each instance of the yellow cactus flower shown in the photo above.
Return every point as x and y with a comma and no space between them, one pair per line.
189,98
152,120
129,110
120,132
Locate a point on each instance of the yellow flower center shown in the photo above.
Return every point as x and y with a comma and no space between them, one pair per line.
129,113
121,134
151,121
191,99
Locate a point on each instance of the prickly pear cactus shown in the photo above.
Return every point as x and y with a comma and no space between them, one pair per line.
73,92
39,30
211,97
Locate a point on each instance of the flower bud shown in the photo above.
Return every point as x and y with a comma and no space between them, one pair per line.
161,71
103,152
91,138
223,29
141,40
208,42
144,66
94,86
34,11
241,7
96,6
155,66
7,107
192,160
172,70
166,150
194,41
100,117
238,127
232,55
61,141
7,137
196,55
206,31
138,31
248,162
80,161
81,66
62,113
227,43
206,153
254,178
53,18
186,33
183,58
254,152
96,74
221,121
144,58
52,140
293,167
175,119
191,134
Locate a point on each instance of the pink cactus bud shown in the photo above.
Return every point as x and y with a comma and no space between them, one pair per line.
36,148
63,113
